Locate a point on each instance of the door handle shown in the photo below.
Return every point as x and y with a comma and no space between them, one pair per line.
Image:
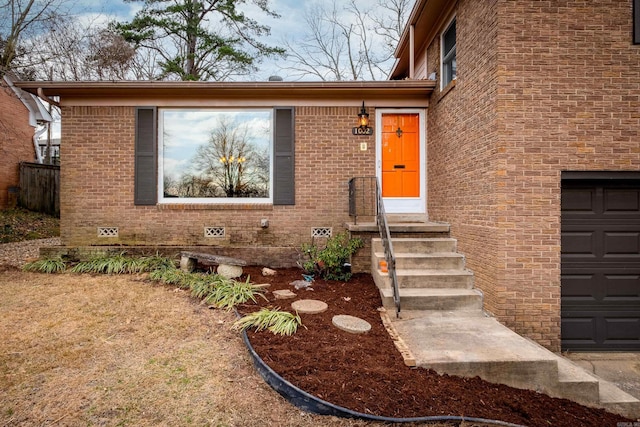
398,166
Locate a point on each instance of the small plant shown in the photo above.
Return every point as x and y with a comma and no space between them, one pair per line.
229,293
329,263
272,319
47,265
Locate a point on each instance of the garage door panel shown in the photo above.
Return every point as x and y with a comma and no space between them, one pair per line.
578,200
621,243
580,330
621,200
621,288
578,288
619,328
578,243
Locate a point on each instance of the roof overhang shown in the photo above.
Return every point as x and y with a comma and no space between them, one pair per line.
425,16
375,93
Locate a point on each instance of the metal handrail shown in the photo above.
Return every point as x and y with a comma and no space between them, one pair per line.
361,203
387,244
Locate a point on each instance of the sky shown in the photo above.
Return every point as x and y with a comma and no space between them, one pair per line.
289,26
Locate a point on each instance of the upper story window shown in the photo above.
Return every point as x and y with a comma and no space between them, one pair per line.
214,156
636,21
448,50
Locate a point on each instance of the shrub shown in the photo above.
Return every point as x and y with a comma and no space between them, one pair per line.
329,263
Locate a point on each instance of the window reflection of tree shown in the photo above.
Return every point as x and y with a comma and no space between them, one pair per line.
229,164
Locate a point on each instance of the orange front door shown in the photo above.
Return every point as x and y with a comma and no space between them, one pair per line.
400,155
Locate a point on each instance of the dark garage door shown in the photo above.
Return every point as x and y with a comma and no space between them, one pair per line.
601,264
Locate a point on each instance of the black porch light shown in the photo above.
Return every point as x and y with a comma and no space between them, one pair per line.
363,117
363,123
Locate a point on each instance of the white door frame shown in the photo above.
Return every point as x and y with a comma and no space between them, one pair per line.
407,205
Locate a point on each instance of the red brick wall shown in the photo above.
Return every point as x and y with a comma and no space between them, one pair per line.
16,143
98,171
542,87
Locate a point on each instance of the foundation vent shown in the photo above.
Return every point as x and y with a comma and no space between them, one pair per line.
214,232
107,231
321,232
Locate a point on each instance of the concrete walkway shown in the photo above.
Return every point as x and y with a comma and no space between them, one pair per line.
473,344
621,369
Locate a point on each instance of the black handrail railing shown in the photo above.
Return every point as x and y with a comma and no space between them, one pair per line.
362,193
389,256
365,199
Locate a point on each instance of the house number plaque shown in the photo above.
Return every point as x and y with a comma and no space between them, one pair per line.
362,131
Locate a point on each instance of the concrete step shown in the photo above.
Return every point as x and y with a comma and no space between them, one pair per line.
430,261
417,245
617,401
433,279
433,299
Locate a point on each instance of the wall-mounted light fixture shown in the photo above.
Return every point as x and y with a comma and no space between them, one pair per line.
363,123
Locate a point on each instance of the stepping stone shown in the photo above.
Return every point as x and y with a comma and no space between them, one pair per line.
351,324
309,306
283,294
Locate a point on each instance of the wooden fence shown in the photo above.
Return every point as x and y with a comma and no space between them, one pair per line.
40,188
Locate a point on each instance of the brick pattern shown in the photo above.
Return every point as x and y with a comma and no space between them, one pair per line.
16,143
97,186
542,87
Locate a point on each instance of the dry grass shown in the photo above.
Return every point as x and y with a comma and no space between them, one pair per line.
117,350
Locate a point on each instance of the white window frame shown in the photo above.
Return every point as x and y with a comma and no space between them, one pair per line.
213,200
450,56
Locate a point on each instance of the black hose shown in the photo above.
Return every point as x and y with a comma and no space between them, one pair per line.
310,403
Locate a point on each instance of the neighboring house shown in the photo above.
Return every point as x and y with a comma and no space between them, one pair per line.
521,120
21,114
54,146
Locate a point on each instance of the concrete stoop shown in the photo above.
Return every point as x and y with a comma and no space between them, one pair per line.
471,344
443,325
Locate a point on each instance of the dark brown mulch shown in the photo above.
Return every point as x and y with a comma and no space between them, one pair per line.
366,373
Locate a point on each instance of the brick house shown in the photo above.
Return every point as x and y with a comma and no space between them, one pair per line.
20,115
522,119
533,157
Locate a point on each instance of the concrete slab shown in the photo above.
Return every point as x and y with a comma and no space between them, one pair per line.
470,346
621,369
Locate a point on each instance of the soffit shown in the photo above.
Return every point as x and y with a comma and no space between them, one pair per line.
260,93
425,17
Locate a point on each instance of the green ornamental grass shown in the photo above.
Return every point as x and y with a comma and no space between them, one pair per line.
229,293
47,265
271,319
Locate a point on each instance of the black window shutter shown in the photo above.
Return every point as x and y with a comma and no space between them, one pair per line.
283,148
636,21
145,191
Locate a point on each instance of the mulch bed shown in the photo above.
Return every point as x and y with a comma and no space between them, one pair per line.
366,373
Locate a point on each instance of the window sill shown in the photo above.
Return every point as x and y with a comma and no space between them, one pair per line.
214,206
448,88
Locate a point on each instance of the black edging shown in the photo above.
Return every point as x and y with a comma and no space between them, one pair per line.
310,403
